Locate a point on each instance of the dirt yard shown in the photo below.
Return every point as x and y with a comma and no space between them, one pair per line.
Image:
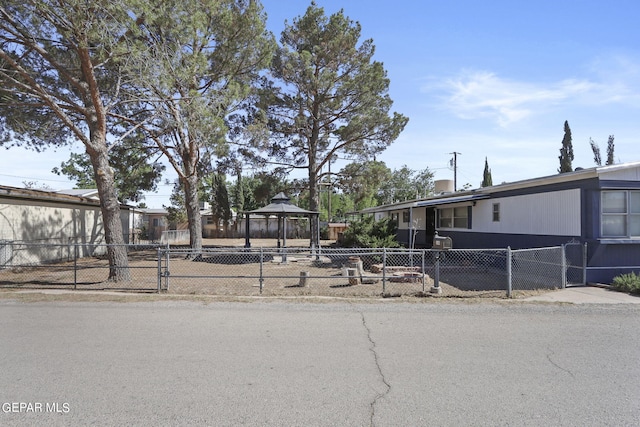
240,274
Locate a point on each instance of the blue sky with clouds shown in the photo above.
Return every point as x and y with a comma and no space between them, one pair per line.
493,79
498,79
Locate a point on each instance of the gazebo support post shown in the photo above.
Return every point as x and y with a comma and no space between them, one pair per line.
284,239
247,242
278,232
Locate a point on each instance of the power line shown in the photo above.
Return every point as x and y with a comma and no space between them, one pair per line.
34,178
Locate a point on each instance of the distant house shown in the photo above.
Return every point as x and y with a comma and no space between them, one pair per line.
50,223
154,224
597,206
53,217
37,216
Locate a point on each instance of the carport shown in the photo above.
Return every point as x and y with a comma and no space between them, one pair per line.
282,208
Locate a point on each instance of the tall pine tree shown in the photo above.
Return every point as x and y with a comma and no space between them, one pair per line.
329,98
566,152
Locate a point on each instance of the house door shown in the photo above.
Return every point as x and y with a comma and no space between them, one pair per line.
430,227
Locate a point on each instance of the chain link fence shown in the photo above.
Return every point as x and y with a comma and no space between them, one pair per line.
74,266
290,271
535,268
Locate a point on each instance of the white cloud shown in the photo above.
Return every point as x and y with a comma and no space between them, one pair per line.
483,94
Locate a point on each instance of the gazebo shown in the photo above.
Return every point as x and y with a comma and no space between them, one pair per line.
281,207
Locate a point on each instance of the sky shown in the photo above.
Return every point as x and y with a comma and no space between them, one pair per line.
494,79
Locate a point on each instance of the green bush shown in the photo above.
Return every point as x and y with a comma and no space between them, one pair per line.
369,233
627,283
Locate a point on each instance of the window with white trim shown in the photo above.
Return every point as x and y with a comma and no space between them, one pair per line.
496,212
457,217
620,213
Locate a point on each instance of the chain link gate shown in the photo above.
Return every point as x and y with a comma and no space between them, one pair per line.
576,263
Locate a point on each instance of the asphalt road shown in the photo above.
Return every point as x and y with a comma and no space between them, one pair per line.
334,364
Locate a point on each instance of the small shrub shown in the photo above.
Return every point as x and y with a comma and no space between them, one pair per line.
369,233
627,283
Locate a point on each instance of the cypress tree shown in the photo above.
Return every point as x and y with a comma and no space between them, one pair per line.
487,180
610,149
566,152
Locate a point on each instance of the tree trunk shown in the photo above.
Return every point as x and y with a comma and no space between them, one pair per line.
191,201
110,207
314,197
314,203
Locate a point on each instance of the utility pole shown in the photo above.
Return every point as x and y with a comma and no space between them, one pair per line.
330,192
455,169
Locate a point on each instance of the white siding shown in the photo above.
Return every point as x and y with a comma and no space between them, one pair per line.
57,225
553,213
417,216
49,223
379,215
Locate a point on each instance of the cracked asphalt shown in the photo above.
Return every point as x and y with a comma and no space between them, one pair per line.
303,364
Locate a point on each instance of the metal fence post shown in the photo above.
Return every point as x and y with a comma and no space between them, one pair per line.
159,270
384,270
509,275
166,275
261,268
423,272
563,261
75,266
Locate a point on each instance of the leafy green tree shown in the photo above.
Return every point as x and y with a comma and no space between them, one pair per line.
134,174
362,180
329,97
218,196
406,184
79,169
176,212
566,152
58,82
369,233
258,189
196,61
238,192
487,180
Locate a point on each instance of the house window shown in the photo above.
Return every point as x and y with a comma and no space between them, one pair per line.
156,222
496,212
620,216
453,217
395,217
405,216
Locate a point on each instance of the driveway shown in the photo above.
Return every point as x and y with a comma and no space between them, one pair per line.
587,295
